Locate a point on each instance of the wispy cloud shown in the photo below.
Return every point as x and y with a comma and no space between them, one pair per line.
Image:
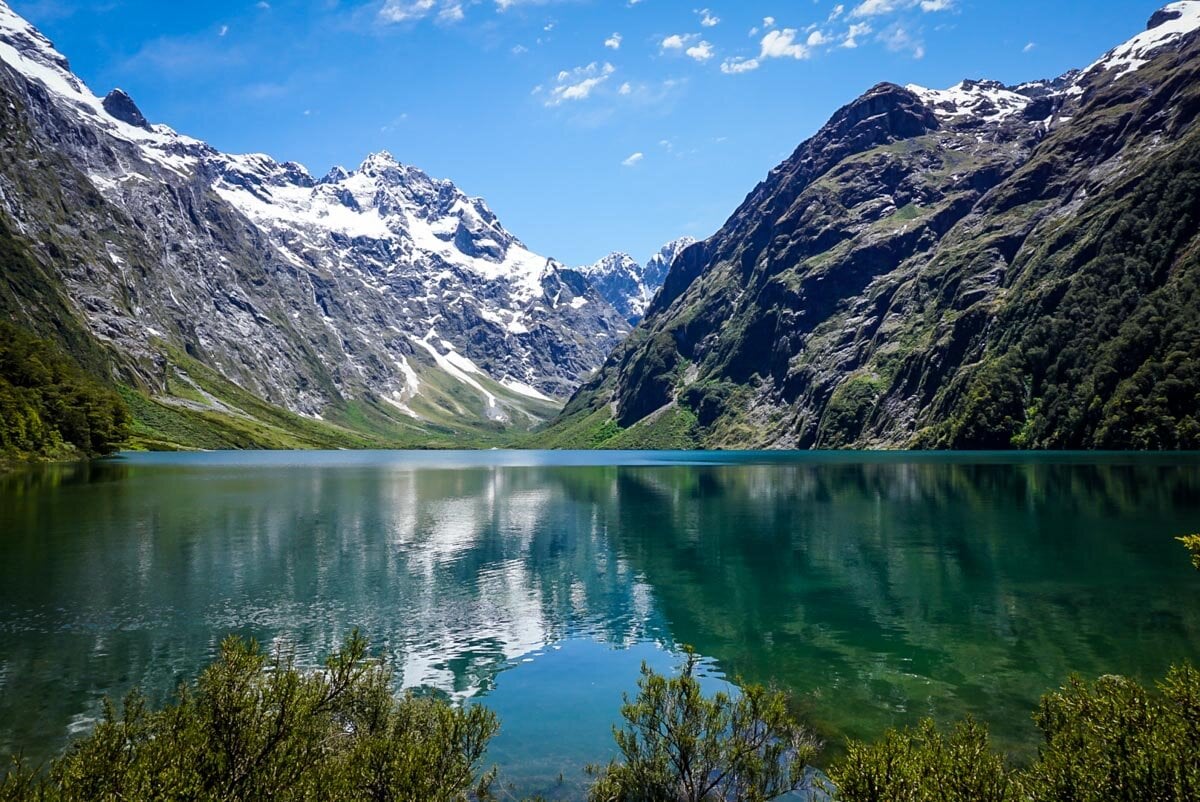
899,39
708,19
394,12
634,159
613,42
877,8
577,84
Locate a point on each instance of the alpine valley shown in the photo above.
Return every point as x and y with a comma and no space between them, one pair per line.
981,267
986,266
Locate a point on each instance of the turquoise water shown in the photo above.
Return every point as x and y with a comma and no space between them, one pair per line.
877,588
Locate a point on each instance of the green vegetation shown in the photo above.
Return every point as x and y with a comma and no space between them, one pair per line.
848,409
254,727
679,745
49,407
1105,740
1192,544
924,765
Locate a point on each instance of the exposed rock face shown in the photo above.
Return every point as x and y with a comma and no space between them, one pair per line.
378,284
121,107
629,286
986,266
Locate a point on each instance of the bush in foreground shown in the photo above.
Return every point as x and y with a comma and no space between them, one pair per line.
679,746
254,727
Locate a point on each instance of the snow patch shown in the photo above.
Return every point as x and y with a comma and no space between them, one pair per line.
1137,52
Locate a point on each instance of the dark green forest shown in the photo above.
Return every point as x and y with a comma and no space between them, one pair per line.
49,406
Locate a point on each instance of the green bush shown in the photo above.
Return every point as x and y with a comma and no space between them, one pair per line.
923,765
679,746
1113,739
254,727
1107,740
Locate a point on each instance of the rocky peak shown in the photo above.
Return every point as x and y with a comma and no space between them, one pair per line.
121,106
336,175
885,110
659,265
630,286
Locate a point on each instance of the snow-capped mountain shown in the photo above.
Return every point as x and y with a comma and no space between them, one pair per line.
980,267
630,286
376,284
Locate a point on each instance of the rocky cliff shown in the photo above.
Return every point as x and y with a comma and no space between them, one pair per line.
986,266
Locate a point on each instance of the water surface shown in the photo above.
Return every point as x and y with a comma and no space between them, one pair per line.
878,588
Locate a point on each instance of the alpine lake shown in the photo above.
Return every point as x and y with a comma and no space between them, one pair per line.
878,588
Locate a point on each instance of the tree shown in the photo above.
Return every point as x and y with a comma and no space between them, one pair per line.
679,746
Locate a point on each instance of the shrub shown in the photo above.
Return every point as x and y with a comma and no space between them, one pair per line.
679,746
1113,739
255,727
924,765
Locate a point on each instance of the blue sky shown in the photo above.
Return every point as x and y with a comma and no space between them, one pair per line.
588,125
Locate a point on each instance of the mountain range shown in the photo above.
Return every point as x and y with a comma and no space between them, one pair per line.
985,266
238,300
981,267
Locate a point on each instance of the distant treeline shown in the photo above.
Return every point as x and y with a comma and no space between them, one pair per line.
49,406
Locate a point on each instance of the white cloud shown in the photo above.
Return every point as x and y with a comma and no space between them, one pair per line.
768,22
451,13
856,30
897,39
405,10
1029,47
708,19
678,41
701,51
519,49
876,8
224,30
613,42
776,43
736,66
579,83
838,11
782,44
634,159
626,88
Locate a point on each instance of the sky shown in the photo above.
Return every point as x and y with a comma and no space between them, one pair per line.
589,126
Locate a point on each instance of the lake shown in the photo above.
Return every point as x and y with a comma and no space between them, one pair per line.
877,588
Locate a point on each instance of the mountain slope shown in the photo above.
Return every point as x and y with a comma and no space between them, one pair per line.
378,300
978,267
628,286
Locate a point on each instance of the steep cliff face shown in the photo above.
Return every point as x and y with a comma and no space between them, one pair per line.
979,267
376,292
